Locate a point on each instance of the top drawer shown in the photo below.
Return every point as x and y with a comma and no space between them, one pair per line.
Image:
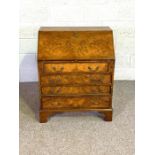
74,67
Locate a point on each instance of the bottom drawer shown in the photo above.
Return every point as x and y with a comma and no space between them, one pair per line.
76,102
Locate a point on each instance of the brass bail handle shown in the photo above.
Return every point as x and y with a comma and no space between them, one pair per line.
93,69
58,70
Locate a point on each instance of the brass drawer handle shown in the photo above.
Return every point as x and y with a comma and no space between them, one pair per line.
56,91
93,70
56,70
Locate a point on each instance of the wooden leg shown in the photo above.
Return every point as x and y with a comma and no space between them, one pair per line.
43,117
107,115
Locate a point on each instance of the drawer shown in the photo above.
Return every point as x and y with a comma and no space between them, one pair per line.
72,67
76,102
75,90
79,79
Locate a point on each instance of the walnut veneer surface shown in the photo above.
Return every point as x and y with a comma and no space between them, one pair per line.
76,70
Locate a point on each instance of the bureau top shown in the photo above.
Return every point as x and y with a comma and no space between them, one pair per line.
75,43
75,29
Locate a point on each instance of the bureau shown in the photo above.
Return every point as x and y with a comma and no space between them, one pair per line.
76,70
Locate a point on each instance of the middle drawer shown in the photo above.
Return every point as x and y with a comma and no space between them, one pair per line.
79,79
75,90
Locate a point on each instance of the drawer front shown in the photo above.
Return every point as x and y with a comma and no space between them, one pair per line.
75,90
54,68
76,102
79,79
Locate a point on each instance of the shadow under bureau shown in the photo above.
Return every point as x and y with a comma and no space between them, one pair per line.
76,70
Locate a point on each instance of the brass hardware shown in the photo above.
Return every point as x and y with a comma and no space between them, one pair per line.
58,90
93,70
56,70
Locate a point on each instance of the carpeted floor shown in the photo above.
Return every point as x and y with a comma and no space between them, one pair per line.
78,133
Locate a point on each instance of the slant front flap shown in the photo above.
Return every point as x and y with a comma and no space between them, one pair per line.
75,43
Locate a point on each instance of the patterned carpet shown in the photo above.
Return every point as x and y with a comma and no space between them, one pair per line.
78,133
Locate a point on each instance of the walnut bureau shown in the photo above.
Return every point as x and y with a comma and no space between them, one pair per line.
76,70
